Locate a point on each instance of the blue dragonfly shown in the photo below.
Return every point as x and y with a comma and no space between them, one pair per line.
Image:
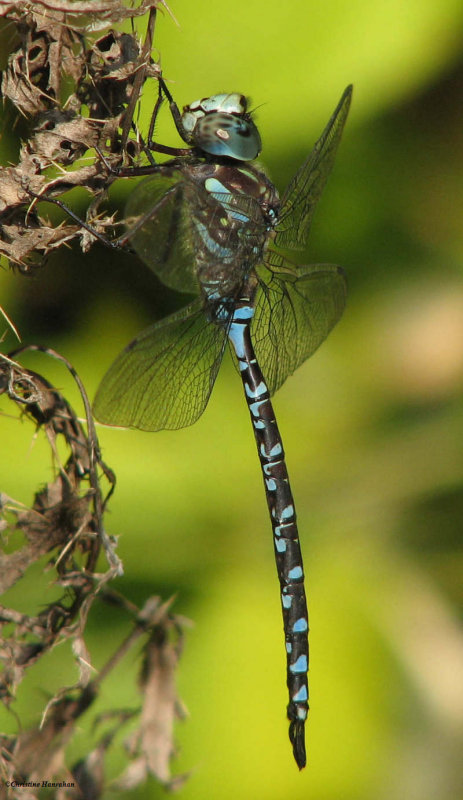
210,223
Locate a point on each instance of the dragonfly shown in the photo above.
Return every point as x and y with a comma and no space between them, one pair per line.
211,224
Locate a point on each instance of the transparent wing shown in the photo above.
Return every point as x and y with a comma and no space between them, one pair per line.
163,379
304,191
295,311
171,219
158,219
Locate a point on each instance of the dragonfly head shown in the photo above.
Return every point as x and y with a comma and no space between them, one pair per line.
221,126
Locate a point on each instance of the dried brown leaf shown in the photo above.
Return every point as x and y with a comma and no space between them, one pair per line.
27,245
55,78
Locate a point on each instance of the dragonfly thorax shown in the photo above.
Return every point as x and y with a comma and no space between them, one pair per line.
221,126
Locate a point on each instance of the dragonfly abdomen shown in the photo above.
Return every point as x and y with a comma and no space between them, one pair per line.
283,517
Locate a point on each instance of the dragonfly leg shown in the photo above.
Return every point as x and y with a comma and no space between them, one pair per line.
176,116
114,244
154,115
121,242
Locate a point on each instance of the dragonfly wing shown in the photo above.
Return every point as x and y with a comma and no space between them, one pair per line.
304,191
164,378
171,220
295,310
158,220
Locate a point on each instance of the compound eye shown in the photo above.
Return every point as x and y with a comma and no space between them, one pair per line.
222,134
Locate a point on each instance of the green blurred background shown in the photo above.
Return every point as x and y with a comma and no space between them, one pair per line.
372,424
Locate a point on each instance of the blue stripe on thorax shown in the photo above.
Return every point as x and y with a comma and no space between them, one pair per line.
223,253
221,194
